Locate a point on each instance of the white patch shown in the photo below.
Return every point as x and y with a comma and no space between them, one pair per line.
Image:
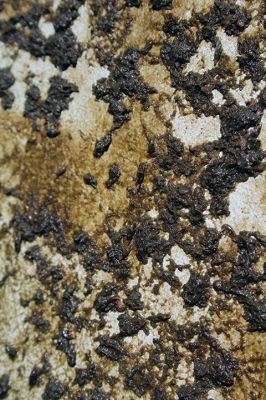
146,339
5,56
209,223
262,136
199,6
101,277
194,130
18,89
229,44
198,314
179,256
140,339
25,65
183,275
246,94
80,115
43,71
80,27
217,97
112,324
114,371
247,206
132,283
56,4
203,60
214,394
153,213
20,66
184,372
46,27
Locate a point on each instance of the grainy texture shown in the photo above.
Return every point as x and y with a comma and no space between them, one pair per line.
133,227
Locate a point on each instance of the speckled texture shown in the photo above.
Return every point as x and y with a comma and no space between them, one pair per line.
132,211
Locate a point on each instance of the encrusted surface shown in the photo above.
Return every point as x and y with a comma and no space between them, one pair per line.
132,145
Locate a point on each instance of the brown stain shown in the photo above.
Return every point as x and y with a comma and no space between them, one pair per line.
252,374
145,25
184,8
34,169
249,350
11,7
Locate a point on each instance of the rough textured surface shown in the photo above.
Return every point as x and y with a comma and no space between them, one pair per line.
132,203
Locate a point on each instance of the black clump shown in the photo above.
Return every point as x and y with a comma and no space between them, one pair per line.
63,49
139,381
56,273
82,242
233,18
90,180
140,175
34,376
219,176
69,304
33,102
160,394
63,343
148,242
107,13
155,319
250,58
116,254
11,351
54,390
4,386
133,301
42,324
6,81
124,80
8,100
219,369
97,394
196,290
130,326
188,392
175,149
114,175
161,4
102,145
37,372
85,375
58,98
133,3
111,348
172,27
178,52
147,239
238,118
242,276
255,314
39,296
61,170
66,13
120,112
106,300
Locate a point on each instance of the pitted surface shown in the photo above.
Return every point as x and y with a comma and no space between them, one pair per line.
132,200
